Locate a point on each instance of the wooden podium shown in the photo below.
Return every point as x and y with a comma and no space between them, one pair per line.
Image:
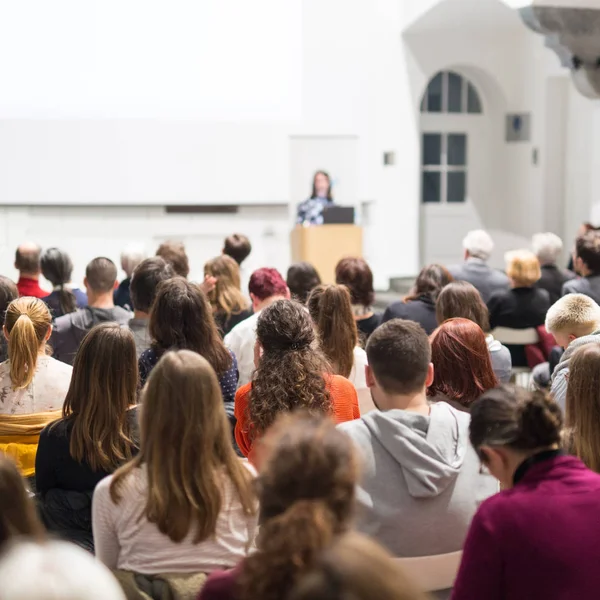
324,245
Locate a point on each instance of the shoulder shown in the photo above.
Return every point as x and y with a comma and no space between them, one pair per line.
499,296
355,429
572,285
102,490
243,392
56,430
241,331
63,323
339,385
58,367
360,356
396,309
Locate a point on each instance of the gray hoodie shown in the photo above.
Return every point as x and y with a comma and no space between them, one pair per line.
420,481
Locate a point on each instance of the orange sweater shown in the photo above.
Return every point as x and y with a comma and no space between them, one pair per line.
343,396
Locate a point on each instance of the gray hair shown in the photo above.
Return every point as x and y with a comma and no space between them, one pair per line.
478,244
131,257
547,247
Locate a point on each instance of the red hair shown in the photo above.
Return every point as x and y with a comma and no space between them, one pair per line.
462,363
265,283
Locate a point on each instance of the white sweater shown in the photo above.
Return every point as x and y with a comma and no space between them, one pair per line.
359,380
124,539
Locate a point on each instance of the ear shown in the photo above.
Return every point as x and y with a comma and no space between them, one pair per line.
370,377
48,334
430,375
572,337
85,283
258,350
116,284
288,294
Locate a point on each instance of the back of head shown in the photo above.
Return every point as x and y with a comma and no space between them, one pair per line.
227,296
306,493
461,299
55,571
182,318
357,276
131,257
266,283
355,567
587,248
302,278
461,359
174,253
523,267
399,355
28,323
101,275
238,247
478,244
8,293
27,258
57,268
573,314
513,417
185,445
145,280
547,247
430,282
331,311
103,387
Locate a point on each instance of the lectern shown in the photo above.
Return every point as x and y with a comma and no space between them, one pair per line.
324,245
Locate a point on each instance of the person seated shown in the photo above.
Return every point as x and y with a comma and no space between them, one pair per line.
420,483
96,434
229,305
266,286
70,329
185,503
460,299
548,248
302,278
523,306
57,268
574,321
462,364
537,538
174,253
144,283
330,309
291,373
419,305
8,293
310,212
306,493
357,276
586,261
181,319
131,257
27,262
478,247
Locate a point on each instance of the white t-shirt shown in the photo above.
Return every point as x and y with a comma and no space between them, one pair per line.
358,379
45,393
240,340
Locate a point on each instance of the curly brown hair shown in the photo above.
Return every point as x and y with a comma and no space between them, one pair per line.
306,494
291,371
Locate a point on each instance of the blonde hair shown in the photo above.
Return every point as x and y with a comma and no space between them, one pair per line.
575,314
227,297
27,322
523,267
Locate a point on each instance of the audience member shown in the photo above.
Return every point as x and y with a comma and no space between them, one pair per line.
291,373
174,253
478,246
586,261
266,286
523,306
185,503
538,538
331,311
460,299
420,483
229,305
548,249
70,329
95,435
238,247
8,293
306,494
355,567
574,321
145,280
462,364
302,278
131,257
27,262
419,305
357,276
57,268
582,437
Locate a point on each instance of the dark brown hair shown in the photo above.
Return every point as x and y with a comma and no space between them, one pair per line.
101,274
306,493
314,186
57,268
238,247
302,278
461,360
357,276
430,282
27,258
460,299
174,253
587,248
331,311
182,319
515,418
290,374
8,293
103,387
145,280
399,354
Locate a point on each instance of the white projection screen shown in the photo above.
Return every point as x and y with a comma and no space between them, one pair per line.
147,101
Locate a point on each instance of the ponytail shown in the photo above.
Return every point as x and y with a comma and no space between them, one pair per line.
67,300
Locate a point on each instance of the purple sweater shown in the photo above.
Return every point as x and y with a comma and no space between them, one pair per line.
540,539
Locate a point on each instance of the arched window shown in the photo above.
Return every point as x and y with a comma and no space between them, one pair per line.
449,92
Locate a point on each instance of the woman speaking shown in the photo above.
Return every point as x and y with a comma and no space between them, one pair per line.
310,212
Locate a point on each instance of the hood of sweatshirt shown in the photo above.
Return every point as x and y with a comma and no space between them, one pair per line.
572,348
88,317
429,450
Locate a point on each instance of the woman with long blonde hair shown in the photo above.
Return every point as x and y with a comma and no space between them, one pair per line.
185,503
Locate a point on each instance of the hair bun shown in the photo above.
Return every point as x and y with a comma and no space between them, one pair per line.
540,421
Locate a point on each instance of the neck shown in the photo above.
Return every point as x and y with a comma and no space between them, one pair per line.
96,300
416,402
24,275
138,314
261,304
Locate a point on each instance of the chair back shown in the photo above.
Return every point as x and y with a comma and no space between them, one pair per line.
432,573
516,337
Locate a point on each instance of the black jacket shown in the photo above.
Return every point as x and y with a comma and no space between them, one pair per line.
552,281
421,310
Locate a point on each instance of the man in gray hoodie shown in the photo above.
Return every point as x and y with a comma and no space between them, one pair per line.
421,482
70,329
